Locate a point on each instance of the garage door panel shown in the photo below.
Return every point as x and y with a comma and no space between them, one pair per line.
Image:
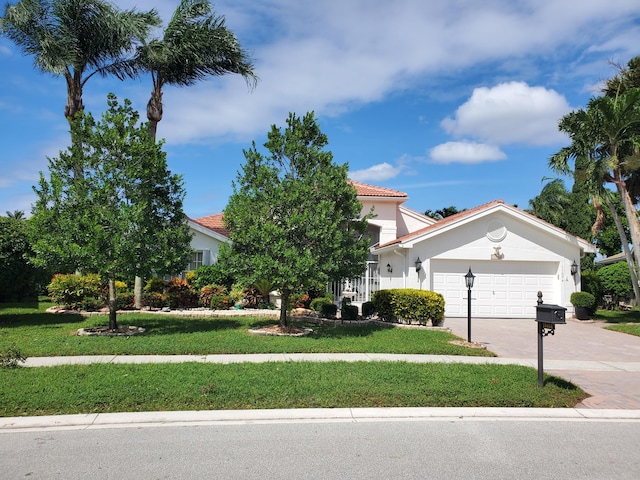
501,289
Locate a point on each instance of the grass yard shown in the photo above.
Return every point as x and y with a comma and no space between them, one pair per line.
625,322
193,386
36,333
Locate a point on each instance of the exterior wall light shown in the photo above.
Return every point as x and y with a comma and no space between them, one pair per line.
418,264
389,268
574,268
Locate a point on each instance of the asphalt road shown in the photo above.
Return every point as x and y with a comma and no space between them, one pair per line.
412,449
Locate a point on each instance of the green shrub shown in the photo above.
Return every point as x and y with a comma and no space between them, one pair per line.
125,301
409,305
11,358
349,312
74,289
590,282
180,295
211,275
329,310
317,303
208,292
299,300
153,300
368,309
616,280
221,302
155,285
582,299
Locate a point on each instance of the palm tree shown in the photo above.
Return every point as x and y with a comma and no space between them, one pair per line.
605,140
16,214
75,39
552,204
195,45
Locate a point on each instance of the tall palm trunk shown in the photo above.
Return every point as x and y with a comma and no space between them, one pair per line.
154,115
72,111
625,249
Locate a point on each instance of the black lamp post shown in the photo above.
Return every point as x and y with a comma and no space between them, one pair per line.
468,280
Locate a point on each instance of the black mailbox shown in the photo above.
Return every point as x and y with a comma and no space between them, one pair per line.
546,313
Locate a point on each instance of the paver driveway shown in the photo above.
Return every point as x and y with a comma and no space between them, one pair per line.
577,340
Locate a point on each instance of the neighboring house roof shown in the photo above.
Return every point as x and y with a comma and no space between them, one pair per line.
365,190
618,257
467,215
214,223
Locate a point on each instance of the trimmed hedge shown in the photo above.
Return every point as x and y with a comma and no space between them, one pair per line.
349,312
409,305
582,299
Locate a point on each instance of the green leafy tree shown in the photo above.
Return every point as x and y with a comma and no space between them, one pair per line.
615,280
294,217
124,215
75,39
19,278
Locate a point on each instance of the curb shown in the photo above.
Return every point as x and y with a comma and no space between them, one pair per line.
313,415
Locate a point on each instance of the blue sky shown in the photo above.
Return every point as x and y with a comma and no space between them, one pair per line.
455,102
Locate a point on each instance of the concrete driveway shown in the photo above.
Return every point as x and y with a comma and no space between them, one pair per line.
577,340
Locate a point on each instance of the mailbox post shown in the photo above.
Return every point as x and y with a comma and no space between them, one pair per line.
547,317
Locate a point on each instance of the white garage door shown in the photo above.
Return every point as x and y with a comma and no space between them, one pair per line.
501,289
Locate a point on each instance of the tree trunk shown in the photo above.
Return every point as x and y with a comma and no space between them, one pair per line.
634,224
137,292
112,304
625,249
284,302
72,109
154,111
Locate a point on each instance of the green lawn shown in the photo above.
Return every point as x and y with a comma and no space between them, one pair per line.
190,386
195,386
625,322
36,333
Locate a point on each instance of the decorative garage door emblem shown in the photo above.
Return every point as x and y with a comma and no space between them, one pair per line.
496,231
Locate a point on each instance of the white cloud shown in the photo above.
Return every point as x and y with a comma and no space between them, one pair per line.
376,173
512,112
332,56
465,152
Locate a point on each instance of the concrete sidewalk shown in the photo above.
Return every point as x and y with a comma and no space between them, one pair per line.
589,365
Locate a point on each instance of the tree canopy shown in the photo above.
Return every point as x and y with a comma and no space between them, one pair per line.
294,217
124,216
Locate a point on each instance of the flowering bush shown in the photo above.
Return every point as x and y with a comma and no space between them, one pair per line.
180,295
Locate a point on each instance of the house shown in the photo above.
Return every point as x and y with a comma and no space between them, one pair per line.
208,234
513,255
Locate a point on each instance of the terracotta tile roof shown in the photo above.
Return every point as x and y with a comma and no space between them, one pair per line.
365,190
213,222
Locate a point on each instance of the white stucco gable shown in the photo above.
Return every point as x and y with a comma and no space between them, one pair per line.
513,254
206,240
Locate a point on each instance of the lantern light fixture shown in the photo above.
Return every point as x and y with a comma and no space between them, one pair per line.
418,264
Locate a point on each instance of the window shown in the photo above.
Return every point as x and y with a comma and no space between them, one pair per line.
196,260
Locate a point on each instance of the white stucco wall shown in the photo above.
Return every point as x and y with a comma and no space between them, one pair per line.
475,242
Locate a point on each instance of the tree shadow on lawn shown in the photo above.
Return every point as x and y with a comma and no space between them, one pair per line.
329,331
617,316
174,325
38,319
